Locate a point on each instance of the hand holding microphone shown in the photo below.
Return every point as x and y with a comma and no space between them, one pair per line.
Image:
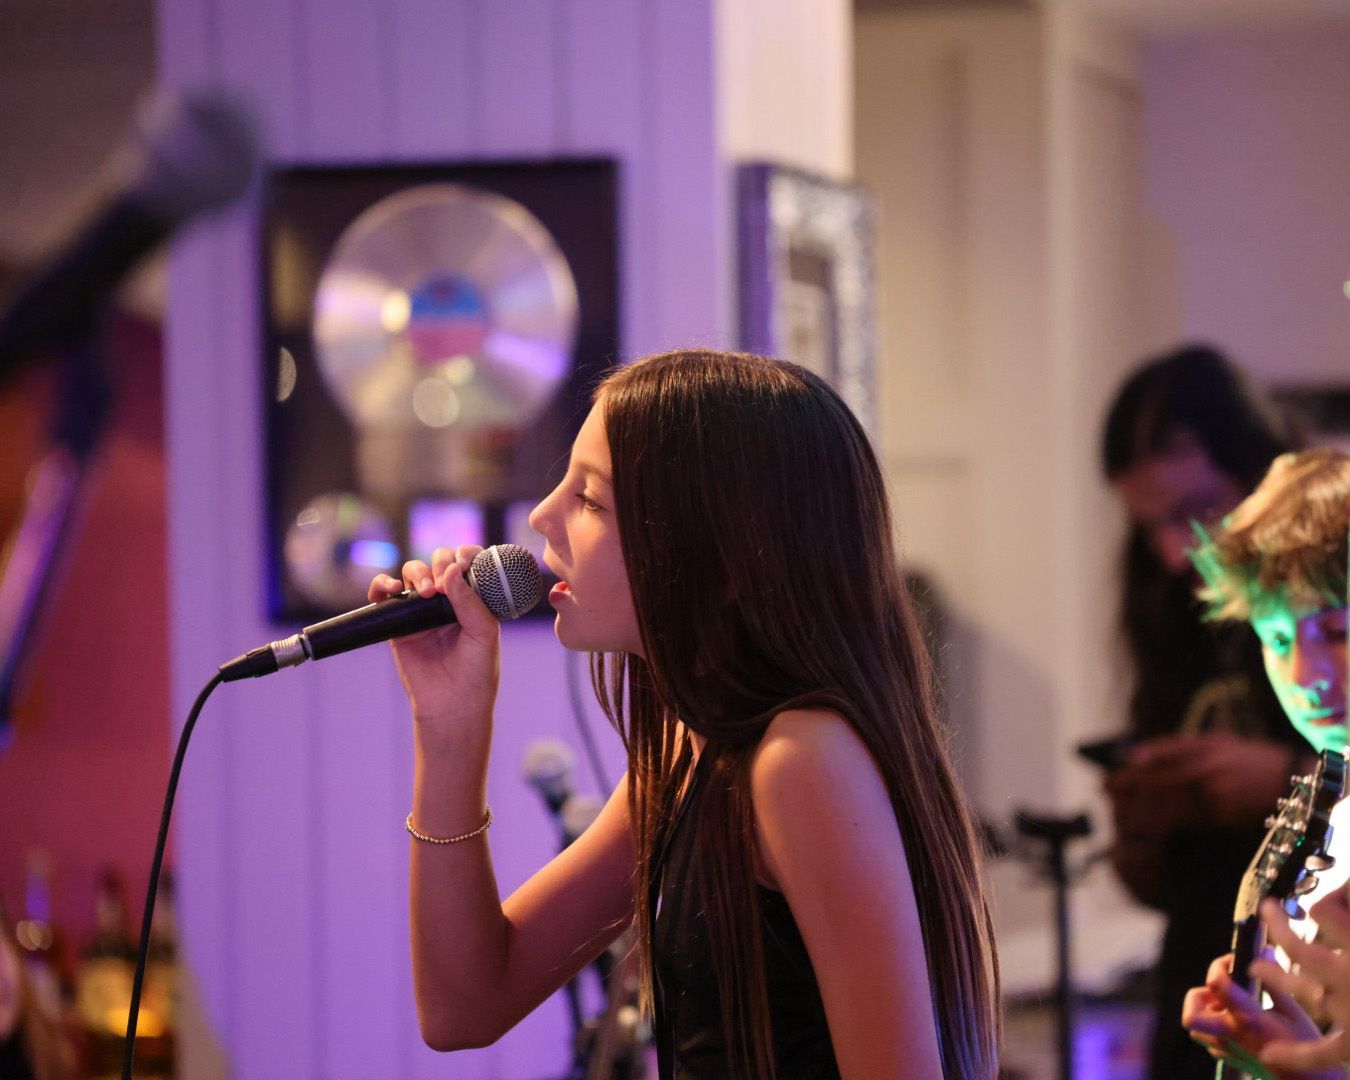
451,670
469,589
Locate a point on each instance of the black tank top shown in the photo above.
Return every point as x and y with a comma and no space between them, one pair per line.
688,1018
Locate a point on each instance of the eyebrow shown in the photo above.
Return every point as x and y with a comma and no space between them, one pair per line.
596,471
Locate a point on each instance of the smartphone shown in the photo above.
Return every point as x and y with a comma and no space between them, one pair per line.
1109,753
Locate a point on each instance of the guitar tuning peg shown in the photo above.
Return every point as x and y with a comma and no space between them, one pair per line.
1294,910
1270,821
1320,862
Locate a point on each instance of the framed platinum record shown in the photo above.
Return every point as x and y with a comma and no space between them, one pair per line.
806,277
432,335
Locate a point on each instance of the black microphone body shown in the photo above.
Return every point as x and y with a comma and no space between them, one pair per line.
190,154
63,302
392,618
505,577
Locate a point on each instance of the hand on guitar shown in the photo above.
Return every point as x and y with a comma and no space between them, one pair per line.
1225,1015
1211,778
1231,1024
1320,983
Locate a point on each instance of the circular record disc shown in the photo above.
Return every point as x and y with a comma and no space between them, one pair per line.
445,306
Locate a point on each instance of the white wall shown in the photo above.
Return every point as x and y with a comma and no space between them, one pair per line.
1249,172
292,851
1004,147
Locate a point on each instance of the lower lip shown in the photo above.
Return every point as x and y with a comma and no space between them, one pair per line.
558,592
1328,721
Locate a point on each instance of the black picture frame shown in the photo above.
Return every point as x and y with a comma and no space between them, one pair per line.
310,441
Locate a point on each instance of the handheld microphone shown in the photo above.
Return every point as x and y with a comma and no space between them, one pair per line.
505,577
190,154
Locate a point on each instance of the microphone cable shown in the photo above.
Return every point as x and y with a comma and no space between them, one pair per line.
143,951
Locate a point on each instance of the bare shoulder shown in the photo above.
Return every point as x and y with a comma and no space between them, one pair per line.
822,810
808,747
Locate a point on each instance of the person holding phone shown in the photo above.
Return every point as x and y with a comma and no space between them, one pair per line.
1186,438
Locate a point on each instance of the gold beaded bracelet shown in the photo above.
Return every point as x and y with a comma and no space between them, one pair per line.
487,820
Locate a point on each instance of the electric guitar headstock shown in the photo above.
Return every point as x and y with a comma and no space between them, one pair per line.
1286,865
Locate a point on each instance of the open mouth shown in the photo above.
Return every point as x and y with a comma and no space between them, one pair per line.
1326,717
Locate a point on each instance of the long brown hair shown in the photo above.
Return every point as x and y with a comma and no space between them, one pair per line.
757,535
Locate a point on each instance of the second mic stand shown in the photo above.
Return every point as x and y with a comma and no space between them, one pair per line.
1056,832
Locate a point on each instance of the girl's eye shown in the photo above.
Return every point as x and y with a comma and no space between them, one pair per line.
587,502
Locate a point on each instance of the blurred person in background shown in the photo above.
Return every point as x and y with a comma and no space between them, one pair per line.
1187,437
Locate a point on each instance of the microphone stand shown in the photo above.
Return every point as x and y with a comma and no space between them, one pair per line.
1057,832
55,483
554,800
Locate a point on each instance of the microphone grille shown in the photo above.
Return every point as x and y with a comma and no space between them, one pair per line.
507,579
193,152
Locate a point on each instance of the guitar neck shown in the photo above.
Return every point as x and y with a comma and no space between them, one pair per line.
1249,938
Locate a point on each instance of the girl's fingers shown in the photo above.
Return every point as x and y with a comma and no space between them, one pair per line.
417,577
382,587
441,558
446,561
